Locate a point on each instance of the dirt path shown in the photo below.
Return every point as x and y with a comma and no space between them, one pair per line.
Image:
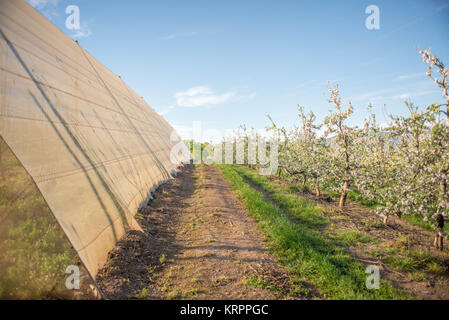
198,243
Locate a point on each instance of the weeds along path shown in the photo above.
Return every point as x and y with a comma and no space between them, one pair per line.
297,234
198,243
403,252
400,251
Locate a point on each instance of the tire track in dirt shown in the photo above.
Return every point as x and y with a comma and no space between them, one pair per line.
198,243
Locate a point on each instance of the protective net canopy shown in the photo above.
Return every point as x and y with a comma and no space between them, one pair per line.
88,143
35,253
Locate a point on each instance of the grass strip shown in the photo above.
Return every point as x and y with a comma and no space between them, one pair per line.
295,235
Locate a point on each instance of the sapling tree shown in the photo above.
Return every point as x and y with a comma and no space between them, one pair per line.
302,155
343,138
407,134
313,149
419,166
375,174
421,147
439,138
441,80
242,140
281,135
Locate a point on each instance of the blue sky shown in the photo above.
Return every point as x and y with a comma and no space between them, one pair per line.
227,63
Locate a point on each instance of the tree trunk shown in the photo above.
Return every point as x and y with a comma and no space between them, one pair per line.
317,190
343,196
438,242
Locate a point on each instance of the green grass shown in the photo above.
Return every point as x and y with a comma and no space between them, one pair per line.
405,263
418,276
356,196
293,188
351,237
419,222
295,235
414,261
297,288
142,294
191,292
258,281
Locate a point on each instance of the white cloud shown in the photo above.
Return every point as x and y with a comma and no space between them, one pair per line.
166,111
180,34
392,94
185,132
409,76
442,7
47,7
40,4
308,83
370,95
83,32
246,97
201,96
335,81
404,96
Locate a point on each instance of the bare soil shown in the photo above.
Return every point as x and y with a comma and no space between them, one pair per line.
198,243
